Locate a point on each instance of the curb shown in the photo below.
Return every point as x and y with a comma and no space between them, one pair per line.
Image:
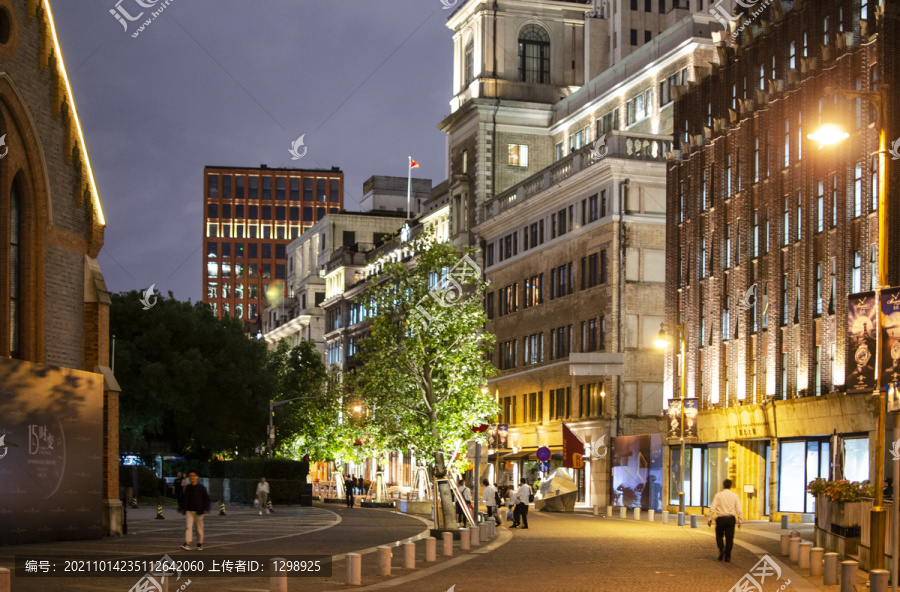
425,533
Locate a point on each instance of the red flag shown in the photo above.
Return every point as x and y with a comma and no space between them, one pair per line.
573,449
412,163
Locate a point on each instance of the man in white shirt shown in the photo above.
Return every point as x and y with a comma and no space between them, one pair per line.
520,514
466,495
490,501
262,494
726,506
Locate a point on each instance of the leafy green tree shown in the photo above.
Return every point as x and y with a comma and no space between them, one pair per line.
425,363
190,381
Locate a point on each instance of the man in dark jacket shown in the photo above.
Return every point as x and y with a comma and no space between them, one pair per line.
349,484
196,504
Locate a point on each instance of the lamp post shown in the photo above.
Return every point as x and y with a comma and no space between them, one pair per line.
272,406
827,135
662,342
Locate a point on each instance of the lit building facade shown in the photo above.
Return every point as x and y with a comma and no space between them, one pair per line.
766,237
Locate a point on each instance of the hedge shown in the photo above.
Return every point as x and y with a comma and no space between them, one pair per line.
281,491
148,484
244,469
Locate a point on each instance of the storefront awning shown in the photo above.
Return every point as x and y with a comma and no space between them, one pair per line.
518,455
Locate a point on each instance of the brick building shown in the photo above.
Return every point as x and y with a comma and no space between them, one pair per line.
766,237
249,217
59,400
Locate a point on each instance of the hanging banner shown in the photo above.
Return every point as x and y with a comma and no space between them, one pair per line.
861,327
673,415
573,449
890,336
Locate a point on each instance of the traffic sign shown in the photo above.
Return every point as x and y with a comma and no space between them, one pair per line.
543,453
544,466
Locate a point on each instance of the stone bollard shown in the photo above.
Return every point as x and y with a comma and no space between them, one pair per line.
596,510
650,514
785,545
4,580
848,575
464,539
384,560
784,522
622,512
878,580
609,511
805,549
474,533
815,561
483,531
830,569
693,521
665,516
409,556
430,549
637,513
447,539
354,569
794,551
680,518
795,534
278,579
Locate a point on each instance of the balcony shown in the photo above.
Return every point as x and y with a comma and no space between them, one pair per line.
620,145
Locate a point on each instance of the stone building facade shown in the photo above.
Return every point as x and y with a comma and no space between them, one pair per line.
766,237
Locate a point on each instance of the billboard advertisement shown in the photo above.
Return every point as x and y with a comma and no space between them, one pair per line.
890,336
51,453
637,471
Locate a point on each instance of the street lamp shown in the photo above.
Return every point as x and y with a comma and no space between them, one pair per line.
828,135
663,341
272,406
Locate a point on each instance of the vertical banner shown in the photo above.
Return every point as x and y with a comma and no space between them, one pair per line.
673,417
890,336
861,339
691,411
573,449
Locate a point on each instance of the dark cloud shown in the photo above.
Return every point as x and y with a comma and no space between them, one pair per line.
234,82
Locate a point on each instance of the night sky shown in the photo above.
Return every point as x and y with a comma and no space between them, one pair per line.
233,83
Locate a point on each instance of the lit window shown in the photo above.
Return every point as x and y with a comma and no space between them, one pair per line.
518,155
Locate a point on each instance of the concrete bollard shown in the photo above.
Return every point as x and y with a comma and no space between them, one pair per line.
637,513
650,514
680,518
795,534
805,549
384,560
785,545
278,579
693,521
493,529
483,531
848,575
447,540
596,510
609,511
4,580
409,556
878,580
354,569
464,539
622,512
665,516
784,522
474,535
830,569
430,549
815,561
794,551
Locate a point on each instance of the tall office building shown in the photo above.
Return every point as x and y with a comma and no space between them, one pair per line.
250,216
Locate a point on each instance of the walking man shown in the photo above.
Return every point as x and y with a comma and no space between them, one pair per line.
196,504
466,495
726,506
491,501
349,484
523,498
262,494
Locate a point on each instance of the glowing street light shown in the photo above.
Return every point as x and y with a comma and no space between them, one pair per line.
828,135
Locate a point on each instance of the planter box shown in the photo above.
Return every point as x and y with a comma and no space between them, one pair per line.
838,526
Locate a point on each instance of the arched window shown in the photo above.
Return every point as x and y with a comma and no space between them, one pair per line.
470,61
534,55
14,227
